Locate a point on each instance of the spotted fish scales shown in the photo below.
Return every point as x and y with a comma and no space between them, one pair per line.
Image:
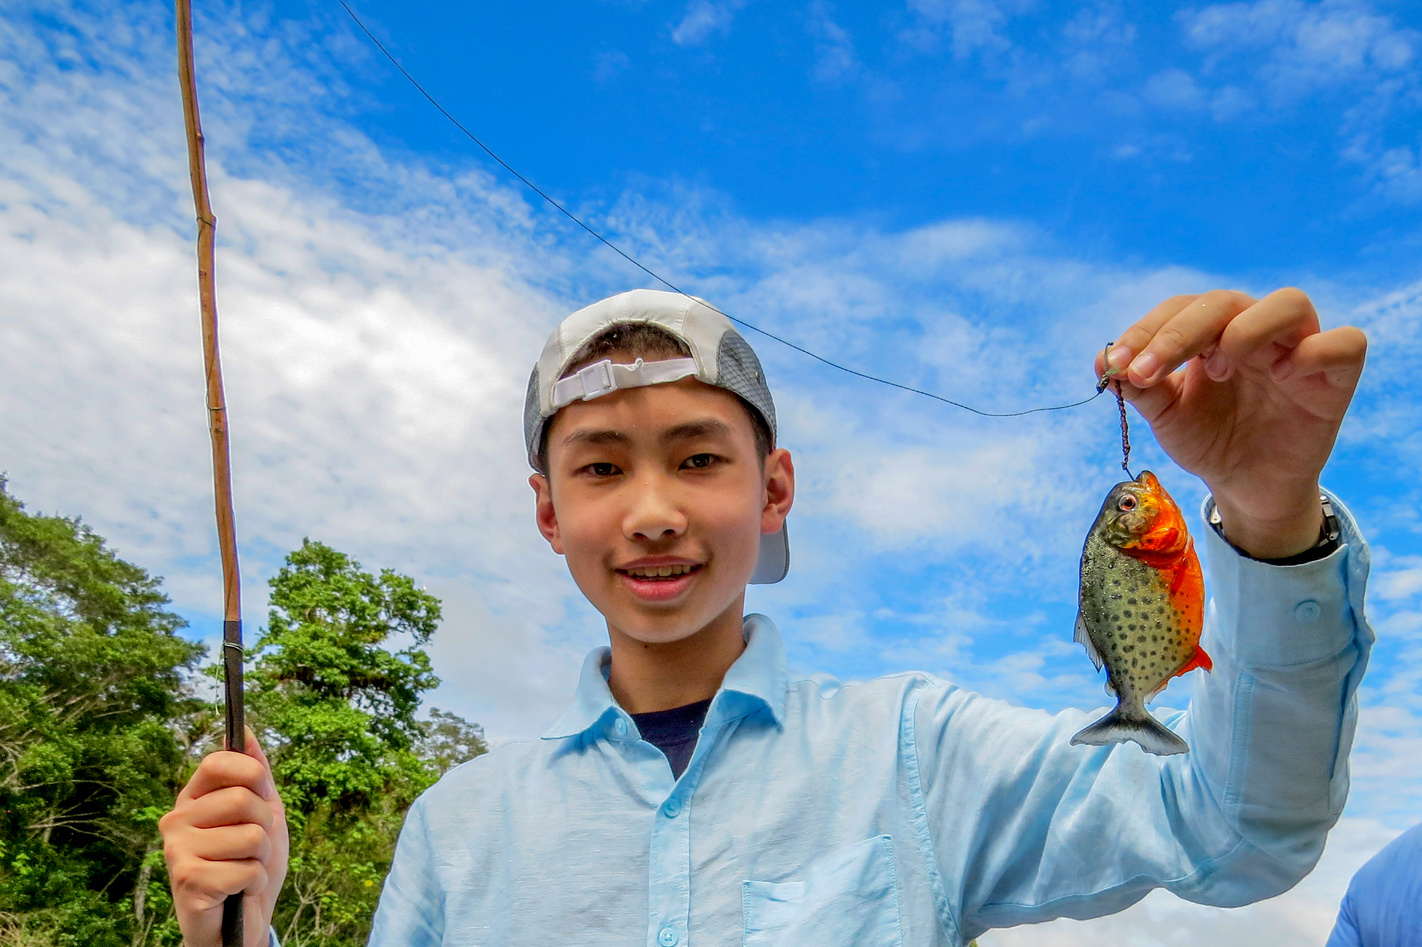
1141,609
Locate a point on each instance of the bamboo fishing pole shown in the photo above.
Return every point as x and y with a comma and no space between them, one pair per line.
217,425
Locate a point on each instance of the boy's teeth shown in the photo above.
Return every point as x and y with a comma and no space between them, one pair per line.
659,571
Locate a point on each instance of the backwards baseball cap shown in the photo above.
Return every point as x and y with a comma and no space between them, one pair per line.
719,357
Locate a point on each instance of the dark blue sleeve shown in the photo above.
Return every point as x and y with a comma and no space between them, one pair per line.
1383,906
1345,930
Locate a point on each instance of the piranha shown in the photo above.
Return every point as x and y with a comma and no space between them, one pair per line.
1142,609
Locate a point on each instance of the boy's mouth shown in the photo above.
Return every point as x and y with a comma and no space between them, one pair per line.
659,572
659,582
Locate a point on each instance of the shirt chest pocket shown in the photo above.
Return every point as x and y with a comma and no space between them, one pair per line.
847,899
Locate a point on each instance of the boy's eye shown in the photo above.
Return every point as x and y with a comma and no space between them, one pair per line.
601,469
699,461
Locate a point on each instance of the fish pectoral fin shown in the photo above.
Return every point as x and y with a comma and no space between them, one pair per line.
1084,636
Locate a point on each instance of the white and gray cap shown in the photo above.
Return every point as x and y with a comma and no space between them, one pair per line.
719,356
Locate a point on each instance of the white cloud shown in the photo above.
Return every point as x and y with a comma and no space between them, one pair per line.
508,670
1403,580
609,64
904,498
1397,173
971,25
1268,56
835,60
1098,43
703,18
1173,89
1300,47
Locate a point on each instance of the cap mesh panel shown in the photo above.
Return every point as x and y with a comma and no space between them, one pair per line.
532,422
738,371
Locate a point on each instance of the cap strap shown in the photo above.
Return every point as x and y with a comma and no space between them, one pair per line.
600,378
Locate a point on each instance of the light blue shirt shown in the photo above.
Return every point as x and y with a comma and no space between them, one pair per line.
904,809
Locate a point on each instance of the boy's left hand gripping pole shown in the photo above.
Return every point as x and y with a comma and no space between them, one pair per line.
217,426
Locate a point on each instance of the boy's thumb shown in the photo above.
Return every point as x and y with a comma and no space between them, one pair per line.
254,750
251,747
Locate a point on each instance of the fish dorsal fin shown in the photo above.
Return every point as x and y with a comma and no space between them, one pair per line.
1084,636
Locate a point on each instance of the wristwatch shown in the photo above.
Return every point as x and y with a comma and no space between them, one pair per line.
1328,537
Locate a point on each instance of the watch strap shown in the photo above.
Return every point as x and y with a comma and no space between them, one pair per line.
1329,537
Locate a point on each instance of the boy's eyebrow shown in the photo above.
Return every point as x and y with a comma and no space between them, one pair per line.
705,427
689,430
595,438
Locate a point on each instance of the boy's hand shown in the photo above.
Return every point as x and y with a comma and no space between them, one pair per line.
225,834
1255,412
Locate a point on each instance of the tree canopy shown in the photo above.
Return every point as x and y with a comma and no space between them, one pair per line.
102,720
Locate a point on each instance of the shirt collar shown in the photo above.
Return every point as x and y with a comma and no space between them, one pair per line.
756,679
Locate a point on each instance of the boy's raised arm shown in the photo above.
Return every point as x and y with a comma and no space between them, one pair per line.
1061,830
1069,831
226,833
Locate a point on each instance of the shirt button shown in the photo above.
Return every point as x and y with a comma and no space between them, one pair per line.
621,727
1307,612
670,808
667,937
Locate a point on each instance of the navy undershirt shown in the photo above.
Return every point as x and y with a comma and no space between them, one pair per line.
674,731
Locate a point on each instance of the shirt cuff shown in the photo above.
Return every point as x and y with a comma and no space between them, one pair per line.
1287,614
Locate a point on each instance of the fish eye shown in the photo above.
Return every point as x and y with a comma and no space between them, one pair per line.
1126,503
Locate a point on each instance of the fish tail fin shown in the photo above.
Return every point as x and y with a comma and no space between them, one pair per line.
1121,725
1199,660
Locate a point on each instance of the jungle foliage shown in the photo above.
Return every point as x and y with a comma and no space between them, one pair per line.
105,711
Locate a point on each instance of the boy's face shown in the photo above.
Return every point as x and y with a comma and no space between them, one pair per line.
664,478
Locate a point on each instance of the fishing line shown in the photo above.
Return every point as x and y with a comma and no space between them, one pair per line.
1125,433
667,283
1101,385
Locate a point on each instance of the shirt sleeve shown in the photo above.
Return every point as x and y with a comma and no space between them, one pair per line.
411,908
1018,826
1345,930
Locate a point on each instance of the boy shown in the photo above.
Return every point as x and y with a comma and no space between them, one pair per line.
693,795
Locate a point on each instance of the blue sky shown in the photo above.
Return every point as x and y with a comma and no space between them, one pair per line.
1153,133
971,196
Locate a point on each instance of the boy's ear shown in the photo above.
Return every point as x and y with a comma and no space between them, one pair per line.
779,490
545,514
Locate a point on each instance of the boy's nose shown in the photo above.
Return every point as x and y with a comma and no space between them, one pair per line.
655,515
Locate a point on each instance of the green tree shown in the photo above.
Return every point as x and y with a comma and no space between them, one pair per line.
101,725
450,740
95,729
334,703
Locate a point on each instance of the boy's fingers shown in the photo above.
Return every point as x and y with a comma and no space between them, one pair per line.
1189,332
1283,318
267,789
1151,402
1134,340
234,805
1339,353
213,881
232,843
223,768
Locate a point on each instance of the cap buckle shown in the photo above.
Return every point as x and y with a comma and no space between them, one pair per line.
596,379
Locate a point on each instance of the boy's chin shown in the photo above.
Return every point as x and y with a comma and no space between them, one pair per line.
666,626
655,632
